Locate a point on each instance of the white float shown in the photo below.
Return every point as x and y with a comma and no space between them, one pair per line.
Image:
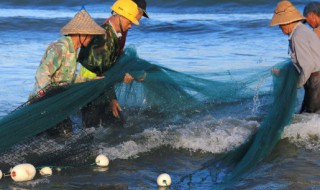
1,174
23,172
102,160
164,180
46,171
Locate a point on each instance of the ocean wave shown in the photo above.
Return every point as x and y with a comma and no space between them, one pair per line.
161,17
36,13
159,3
206,136
46,3
203,135
52,20
304,132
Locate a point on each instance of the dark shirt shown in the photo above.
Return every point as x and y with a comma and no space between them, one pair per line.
102,52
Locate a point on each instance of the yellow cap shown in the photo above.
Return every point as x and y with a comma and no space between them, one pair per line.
127,9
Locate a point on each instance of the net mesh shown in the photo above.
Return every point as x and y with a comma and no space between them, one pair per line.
227,169
157,91
271,128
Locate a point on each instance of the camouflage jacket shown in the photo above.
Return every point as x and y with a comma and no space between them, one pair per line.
123,37
102,52
58,65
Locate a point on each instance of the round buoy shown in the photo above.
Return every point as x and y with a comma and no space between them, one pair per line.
23,172
102,160
46,171
58,169
1,174
164,180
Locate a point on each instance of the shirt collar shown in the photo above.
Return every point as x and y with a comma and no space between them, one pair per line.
118,34
294,30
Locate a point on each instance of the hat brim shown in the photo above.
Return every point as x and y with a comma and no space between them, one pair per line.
280,20
145,14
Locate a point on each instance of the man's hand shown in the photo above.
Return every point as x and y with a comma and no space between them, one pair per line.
127,78
141,78
98,77
115,108
275,71
41,93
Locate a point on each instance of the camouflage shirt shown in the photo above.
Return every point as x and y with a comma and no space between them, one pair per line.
102,52
58,65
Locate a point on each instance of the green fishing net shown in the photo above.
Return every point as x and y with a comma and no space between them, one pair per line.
156,92
279,115
229,168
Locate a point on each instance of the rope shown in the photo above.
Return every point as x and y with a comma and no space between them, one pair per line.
56,167
8,174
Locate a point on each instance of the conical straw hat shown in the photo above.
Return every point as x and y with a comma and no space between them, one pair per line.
82,23
285,13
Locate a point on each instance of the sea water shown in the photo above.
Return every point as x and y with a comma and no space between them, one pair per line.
215,40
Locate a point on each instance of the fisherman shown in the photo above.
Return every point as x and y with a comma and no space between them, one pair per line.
95,62
304,47
142,7
312,13
59,63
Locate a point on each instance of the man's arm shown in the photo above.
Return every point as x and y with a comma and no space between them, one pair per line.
305,56
48,66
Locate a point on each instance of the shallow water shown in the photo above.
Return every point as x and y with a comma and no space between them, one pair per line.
213,40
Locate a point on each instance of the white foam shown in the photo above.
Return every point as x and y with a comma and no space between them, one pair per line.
207,135
304,132
37,182
228,134
131,148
